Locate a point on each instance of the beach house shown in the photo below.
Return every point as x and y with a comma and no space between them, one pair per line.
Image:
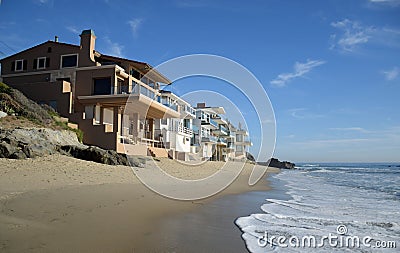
120,103
242,143
114,101
213,135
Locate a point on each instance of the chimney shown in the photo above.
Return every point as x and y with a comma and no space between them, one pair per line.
88,40
201,105
56,38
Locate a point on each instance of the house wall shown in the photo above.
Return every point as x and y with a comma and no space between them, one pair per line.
179,142
85,80
47,92
208,149
42,50
26,79
96,135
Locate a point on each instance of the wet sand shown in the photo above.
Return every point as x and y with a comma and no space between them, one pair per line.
61,204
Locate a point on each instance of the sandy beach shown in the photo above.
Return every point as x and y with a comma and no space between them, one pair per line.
61,204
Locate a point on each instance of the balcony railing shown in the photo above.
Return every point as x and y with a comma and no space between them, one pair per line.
224,129
209,138
180,128
189,110
135,88
222,141
209,122
212,122
172,106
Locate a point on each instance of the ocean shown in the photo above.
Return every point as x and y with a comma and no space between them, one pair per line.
329,208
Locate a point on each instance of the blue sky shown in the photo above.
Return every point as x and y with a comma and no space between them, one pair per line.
331,68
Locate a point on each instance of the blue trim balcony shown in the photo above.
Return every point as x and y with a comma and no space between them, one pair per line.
222,141
221,131
209,138
209,122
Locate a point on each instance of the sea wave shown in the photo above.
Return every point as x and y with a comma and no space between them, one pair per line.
317,207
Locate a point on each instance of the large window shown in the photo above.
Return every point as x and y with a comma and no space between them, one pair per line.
239,137
70,60
102,86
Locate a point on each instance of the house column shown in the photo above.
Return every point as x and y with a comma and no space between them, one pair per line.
122,124
151,129
101,120
135,125
116,119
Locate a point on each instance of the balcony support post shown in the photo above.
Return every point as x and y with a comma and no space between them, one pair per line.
116,119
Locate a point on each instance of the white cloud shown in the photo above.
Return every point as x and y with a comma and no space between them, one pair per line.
45,2
351,129
135,24
72,29
113,48
191,4
300,69
392,3
341,141
353,34
303,113
391,74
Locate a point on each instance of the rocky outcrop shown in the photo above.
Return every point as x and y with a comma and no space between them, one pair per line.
95,154
20,143
282,165
273,162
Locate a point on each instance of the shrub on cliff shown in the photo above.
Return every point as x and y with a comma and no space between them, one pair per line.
13,101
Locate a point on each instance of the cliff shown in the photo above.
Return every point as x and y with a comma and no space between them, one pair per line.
28,130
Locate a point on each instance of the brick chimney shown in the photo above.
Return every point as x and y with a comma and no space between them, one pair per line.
201,105
88,40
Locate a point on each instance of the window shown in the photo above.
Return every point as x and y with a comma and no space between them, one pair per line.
239,137
41,63
68,61
102,86
19,65
239,148
135,74
145,80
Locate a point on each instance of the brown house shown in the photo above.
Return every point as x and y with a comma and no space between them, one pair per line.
114,101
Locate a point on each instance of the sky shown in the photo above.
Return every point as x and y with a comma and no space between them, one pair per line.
331,68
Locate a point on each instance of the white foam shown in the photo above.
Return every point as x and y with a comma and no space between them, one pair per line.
317,208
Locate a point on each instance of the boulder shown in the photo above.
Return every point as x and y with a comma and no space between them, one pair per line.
95,154
20,143
273,162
